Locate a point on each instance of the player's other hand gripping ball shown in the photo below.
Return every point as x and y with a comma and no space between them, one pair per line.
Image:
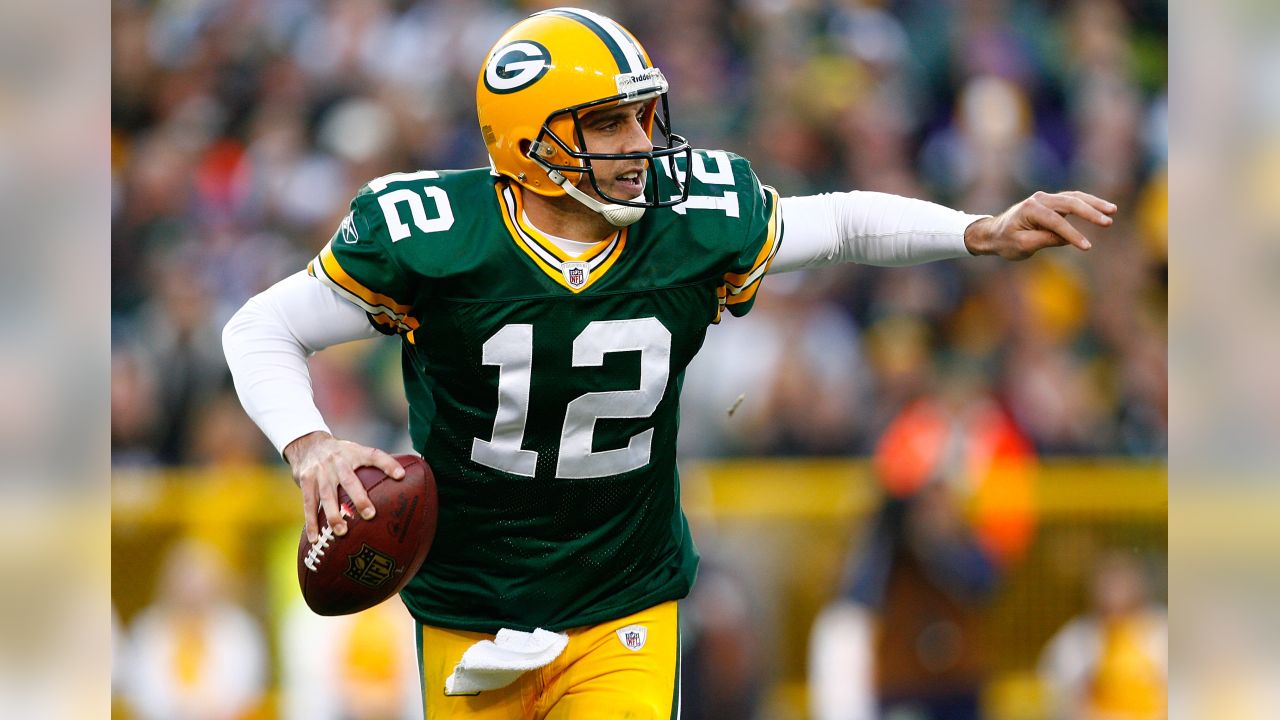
376,558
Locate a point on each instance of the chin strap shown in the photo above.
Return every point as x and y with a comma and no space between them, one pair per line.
616,215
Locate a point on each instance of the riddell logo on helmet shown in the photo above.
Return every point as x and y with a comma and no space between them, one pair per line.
516,65
645,81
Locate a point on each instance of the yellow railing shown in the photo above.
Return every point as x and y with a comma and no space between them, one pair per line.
768,490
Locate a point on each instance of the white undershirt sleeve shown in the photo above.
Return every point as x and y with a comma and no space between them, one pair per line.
869,228
267,343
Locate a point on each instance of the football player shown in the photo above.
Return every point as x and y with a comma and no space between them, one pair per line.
546,308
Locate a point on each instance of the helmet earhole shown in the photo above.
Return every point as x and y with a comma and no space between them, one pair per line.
537,147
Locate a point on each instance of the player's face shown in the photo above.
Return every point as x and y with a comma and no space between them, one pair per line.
617,130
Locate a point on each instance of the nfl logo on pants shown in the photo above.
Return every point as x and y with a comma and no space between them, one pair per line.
633,636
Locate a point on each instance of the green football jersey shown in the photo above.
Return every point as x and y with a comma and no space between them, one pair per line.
544,389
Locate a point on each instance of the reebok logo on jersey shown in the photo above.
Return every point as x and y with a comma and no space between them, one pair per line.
516,65
633,636
347,230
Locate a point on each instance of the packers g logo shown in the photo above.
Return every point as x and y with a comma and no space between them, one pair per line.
516,65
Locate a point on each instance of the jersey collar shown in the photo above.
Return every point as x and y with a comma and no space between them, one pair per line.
572,272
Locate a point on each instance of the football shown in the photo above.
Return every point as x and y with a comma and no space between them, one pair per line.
376,558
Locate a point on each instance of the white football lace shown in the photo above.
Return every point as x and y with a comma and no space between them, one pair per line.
312,560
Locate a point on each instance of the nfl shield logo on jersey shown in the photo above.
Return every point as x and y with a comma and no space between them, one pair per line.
575,273
633,636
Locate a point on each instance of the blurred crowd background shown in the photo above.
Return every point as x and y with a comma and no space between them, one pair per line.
240,130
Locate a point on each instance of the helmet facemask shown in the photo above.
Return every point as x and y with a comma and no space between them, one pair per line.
663,189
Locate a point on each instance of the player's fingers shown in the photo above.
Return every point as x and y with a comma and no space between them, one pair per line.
1036,240
359,498
1046,218
1071,203
309,506
332,510
1105,206
385,462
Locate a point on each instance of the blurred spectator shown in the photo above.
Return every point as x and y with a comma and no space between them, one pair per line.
225,438
1111,663
842,670
194,653
905,634
720,650
349,667
178,332
800,390
134,410
990,156
1106,101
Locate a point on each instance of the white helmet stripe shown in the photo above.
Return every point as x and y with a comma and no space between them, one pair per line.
608,30
629,47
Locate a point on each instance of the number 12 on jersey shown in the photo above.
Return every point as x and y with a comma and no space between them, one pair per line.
511,349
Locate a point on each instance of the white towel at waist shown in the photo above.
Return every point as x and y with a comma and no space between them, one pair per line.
493,664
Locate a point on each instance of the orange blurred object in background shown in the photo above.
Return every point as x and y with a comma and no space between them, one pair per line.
977,450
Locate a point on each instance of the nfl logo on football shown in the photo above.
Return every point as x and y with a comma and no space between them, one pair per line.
633,636
575,273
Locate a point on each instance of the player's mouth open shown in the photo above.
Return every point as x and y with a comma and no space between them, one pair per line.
632,181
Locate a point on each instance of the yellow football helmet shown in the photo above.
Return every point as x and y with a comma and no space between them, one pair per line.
547,72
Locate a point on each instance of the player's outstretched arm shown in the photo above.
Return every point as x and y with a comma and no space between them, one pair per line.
1036,223
872,228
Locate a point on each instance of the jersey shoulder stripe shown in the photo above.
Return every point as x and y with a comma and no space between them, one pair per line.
739,288
742,286
384,309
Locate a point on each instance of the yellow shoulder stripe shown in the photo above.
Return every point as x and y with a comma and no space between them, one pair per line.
742,286
335,272
384,309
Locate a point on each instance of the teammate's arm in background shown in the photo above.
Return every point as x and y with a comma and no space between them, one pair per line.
888,230
267,343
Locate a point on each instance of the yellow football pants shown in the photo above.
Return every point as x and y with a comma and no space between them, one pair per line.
597,677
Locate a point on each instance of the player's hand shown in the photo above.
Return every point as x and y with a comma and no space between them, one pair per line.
321,464
1036,223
